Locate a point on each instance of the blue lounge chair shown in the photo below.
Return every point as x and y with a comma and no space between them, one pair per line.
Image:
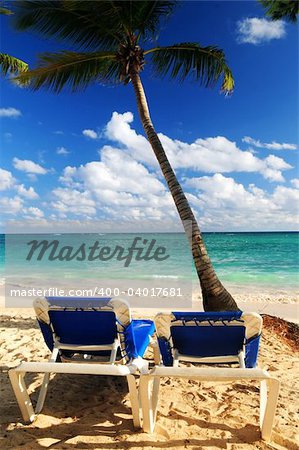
95,335
209,338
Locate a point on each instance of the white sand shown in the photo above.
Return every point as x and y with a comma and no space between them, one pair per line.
94,412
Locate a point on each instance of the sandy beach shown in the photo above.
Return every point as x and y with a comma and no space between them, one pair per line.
150,154
94,412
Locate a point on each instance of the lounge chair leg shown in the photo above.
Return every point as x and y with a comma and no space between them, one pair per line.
134,400
42,393
155,397
268,406
148,412
23,399
44,387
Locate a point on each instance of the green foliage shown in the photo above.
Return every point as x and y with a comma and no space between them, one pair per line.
148,15
281,9
11,64
85,24
111,31
97,25
73,70
5,11
190,60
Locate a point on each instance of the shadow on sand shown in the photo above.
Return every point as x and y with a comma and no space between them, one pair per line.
94,412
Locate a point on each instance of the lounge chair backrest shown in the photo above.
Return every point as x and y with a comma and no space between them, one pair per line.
85,321
212,334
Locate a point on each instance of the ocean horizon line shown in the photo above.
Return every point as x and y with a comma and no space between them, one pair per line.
58,233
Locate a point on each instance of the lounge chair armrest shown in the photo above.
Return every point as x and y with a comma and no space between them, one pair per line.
78,368
210,374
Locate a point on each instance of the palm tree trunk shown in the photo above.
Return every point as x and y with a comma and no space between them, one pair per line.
215,296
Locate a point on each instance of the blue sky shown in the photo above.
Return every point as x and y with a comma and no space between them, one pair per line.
236,157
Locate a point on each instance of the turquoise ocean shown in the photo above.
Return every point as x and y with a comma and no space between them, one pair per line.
262,259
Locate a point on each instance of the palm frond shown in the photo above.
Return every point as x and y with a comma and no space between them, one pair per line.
5,11
87,24
92,25
281,9
73,70
147,16
11,64
189,60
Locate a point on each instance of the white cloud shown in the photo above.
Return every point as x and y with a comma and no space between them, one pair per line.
269,145
10,112
11,205
27,193
58,132
62,151
273,175
287,198
118,130
295,182
73,201
121,186
220,202
28,166
90,133
257,31
224,192
33,212
7,181
68,176
116,171
274,166
277,163
224,204
210,155
125,187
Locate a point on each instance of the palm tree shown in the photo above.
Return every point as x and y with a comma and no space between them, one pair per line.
10,64
281,9
111,36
